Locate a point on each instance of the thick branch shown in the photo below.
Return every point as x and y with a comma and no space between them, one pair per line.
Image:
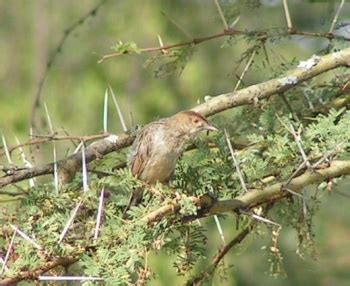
20,175
274,192
68,167
257,197
72,164
63,261
207,206
217,104
263,90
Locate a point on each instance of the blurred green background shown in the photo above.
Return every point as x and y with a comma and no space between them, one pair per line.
74,88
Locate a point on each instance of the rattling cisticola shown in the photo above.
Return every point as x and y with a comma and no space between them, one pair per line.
158,146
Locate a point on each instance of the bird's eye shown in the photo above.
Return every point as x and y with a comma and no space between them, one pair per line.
196,120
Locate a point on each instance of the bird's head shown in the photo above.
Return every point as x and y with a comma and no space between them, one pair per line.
192,122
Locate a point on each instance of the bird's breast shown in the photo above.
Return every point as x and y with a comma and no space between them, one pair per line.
162,163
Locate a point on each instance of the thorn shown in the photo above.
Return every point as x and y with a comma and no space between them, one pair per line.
288,19
25,162
245,70
78,148
26,237
48,118
7,153
69,222
260,218
223,19
218,225
7,255
121,118
105,112
234,23
55,169
69,278
161,45
83,162
99,214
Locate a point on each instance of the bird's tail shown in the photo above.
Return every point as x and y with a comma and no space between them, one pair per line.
134,200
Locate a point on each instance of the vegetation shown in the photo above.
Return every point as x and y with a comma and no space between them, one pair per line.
283,146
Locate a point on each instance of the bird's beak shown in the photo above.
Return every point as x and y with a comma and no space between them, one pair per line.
210,127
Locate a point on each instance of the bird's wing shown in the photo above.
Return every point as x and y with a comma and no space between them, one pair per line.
143,148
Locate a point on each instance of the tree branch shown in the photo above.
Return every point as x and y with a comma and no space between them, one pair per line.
72,164
230,32
33,274
215,105
198,279
208,206
266,89
256,197
42,139
52,58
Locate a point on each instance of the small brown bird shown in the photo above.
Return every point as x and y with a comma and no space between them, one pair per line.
158,146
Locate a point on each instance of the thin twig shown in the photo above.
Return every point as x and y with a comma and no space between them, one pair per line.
293,193
238,169
51,60
226,33
219,256
67,134
55,137
329,153
289,107
295,173
238,239
297,140
245,70
194,41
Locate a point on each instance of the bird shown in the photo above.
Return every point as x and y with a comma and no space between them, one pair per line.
158,146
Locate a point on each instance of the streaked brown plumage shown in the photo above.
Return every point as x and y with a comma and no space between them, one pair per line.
158,146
